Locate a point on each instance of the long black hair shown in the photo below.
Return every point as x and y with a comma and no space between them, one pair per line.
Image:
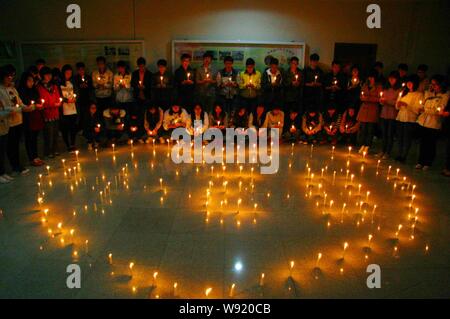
202,113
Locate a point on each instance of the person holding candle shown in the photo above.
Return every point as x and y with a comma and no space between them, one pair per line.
354,84
334,82
272,83
388,99
69,117
205,80
240,119
114,118
83,92
293,86
11,101
349,126
184,82
312,123
408,104
292,126
275,118
122,87
198,114
175,117
102,81
331,125
4,114
257,118
227,83
52,101
218,118
153,120
313,77
162,85
430,120
368,113
141,82
446,126
249,85
33,117
94,126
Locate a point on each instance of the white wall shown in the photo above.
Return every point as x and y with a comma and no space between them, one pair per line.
412,32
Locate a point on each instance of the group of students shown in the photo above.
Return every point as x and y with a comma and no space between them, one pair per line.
306,105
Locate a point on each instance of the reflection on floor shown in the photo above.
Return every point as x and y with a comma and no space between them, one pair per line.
141,226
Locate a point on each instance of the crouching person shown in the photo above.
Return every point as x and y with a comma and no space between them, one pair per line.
175,117
312,123
331,124
115,123
153,120
292,126
349,126
94,127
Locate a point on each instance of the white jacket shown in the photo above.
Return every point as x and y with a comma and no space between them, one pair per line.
433,105
12,104
410,112
169,119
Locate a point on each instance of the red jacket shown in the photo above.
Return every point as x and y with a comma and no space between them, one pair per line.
51,103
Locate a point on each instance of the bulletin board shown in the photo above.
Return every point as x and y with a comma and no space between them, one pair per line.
58,53
239,50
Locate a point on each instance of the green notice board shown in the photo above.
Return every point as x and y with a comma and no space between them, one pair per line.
56,54
239,50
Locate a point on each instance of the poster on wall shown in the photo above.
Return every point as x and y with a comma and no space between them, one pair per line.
56,54
240,51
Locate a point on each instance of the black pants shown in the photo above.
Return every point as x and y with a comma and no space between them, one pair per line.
114,135
69,129
387,133
14,135
3,141
31,143
427,150
136,119
447,161
51,129
103,103
350,138
405,131
229,105
366,133
249,103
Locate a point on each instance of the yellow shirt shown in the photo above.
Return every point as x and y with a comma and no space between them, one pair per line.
246,79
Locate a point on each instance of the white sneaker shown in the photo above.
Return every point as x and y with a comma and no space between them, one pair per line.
9,178
140,141
4,180
419,166
25,171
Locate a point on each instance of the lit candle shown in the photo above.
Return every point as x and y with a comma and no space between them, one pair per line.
261,280
207,292
315,78
110,260
345,248
188,76
130,266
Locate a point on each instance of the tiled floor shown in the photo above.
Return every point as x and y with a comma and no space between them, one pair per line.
183,243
